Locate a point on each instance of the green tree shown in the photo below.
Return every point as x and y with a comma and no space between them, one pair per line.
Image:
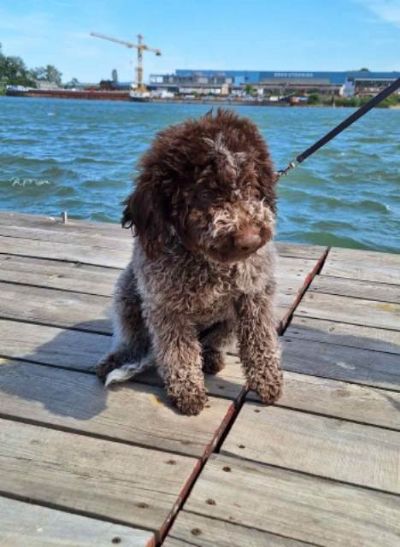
314,98
48,73
74,82
39,73
53,75
13,71
249,89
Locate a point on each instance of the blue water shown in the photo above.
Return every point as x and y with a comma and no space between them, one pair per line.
80,156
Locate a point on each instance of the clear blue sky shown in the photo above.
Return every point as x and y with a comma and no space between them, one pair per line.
217,34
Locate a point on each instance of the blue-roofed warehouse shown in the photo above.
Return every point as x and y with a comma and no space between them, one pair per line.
361,82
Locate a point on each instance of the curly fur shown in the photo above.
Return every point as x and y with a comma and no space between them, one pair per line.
202,267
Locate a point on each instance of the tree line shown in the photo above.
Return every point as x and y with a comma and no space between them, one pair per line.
13,71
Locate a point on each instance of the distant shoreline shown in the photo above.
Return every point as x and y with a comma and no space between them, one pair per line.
102,95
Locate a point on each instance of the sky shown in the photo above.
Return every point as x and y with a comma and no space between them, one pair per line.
202,34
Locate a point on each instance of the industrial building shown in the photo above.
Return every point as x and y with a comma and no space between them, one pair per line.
268,83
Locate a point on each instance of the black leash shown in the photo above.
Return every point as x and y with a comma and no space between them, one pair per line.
341,127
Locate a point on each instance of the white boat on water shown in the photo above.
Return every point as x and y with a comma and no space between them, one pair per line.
139,96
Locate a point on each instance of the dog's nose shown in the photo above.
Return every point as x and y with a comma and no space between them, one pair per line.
248,239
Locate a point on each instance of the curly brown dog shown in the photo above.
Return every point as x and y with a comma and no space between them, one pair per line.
202,267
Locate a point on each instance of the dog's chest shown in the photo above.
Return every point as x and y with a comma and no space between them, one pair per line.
201,290
211,291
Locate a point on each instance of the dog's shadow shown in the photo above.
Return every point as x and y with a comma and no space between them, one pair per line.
60,376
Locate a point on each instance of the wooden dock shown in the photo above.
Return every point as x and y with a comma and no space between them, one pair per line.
80,465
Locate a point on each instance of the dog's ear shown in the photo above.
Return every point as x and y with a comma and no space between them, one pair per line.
145,212
266,176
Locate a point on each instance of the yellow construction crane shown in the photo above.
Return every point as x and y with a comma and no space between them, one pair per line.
140,48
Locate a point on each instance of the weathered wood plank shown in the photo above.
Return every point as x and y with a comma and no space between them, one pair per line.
69,276
24,524
191,529
55,307
362,404
384,315
81,351
128,484
300,250
133,413
359,454
363,265
86,254
295,505
51,223
337,362
52,346
356,288
82,238
344,334
291,273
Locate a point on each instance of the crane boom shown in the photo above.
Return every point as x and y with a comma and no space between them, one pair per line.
111,39
140,48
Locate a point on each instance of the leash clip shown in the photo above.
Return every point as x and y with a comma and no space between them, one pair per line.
285,171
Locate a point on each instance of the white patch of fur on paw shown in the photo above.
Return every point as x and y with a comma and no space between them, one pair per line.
127,371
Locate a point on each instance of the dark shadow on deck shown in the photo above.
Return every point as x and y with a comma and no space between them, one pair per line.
60,375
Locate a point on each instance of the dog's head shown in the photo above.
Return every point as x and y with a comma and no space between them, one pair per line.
208,182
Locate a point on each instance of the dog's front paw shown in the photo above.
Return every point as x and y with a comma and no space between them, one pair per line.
268,387
213,361
189,400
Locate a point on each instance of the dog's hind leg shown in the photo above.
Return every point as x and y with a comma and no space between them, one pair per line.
130,342
212,340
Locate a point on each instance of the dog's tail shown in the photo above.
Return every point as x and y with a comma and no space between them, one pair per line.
127,371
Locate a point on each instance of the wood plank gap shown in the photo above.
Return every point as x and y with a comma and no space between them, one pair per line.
220,431
58,326
351,336
332,320
249,528
48,288
181,498
286,320
313,475
355,281
345,381
340,344
241,399
63,260
40,364
323,415
51,259
41,235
